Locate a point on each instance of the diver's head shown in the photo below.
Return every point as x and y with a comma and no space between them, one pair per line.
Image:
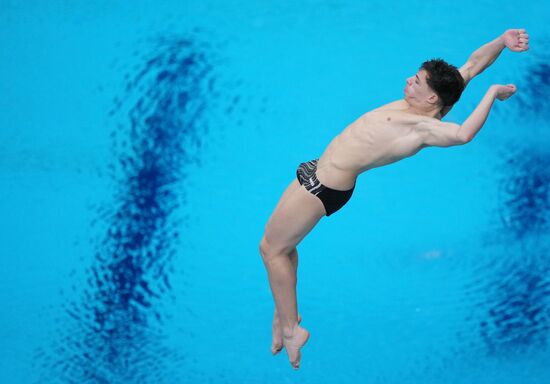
437,84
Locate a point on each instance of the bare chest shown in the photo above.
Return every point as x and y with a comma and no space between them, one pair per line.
380,137
384,130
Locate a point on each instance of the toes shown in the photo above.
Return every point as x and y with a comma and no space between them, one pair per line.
295,364
276,345
276,349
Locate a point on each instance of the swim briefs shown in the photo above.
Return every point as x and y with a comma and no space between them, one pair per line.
332,199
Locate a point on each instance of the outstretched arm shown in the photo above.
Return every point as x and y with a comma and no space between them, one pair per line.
441,134
516,40
475,121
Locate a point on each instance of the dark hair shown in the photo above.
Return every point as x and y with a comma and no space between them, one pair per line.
445,80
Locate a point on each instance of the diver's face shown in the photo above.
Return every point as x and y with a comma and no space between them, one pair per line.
416,87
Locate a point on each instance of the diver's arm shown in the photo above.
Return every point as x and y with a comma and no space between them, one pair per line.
516,40
483,57
441,134
477,118
477,62
475,121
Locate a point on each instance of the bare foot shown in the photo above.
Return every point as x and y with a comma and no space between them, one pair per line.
294,340
277,334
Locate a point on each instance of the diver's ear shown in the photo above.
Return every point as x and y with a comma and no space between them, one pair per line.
433,99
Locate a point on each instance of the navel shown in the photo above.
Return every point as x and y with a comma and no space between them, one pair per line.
388,119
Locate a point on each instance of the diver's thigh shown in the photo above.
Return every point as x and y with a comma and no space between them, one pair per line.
293,220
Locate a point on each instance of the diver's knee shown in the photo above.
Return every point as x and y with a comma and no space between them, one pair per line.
269,249
264,247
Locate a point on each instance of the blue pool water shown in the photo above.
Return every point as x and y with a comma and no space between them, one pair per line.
144,146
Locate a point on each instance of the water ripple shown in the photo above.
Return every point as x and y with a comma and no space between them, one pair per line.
512,293
533,95
115,334
525,208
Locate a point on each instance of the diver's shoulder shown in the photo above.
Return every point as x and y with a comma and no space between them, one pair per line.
399,105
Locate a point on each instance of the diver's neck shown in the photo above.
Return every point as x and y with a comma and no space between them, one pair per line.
417,110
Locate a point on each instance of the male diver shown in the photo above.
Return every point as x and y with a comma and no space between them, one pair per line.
382,136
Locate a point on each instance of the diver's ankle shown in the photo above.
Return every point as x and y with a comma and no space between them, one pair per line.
290,330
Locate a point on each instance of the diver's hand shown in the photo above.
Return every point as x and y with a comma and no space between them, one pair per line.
516,39
502,92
